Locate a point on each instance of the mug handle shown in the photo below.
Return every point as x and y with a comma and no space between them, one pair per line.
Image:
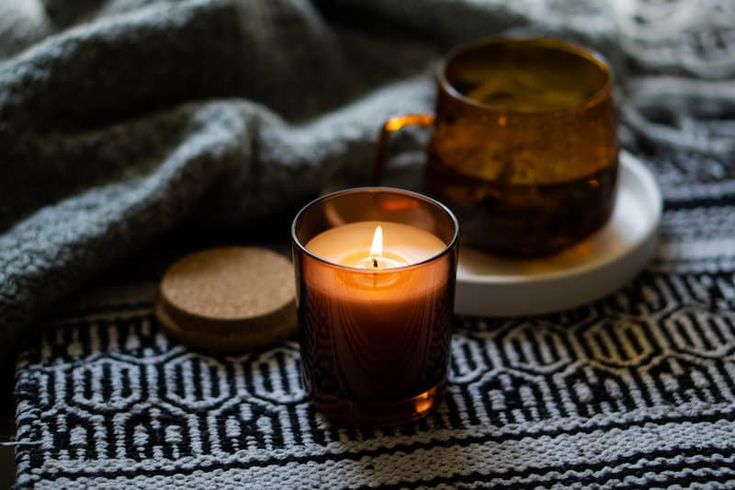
393,125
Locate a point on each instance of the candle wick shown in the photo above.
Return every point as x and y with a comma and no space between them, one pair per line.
375,263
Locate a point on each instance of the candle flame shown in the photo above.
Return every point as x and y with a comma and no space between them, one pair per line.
376,249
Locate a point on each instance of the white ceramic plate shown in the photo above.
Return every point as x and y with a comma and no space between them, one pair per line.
492,286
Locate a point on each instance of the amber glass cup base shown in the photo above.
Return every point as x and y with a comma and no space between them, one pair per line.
380,414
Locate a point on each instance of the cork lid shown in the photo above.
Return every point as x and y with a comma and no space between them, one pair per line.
228,299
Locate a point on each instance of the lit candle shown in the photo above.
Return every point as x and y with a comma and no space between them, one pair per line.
375,245
375,306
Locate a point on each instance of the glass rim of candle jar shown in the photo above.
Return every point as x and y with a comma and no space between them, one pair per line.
376,189
602,93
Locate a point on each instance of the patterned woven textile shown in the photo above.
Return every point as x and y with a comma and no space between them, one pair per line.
635,390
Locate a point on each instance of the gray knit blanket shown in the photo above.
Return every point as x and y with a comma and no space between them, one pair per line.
124,123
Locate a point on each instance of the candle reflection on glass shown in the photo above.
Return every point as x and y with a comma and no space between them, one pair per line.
375,276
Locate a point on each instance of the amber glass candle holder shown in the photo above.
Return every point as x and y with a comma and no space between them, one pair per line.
524,145
375,331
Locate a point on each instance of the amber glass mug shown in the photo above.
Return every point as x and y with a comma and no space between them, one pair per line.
524,146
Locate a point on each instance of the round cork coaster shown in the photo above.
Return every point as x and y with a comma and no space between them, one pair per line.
228,299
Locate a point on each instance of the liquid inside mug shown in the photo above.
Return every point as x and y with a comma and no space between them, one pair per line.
524,146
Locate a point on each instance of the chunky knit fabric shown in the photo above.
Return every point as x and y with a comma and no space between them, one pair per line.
124,120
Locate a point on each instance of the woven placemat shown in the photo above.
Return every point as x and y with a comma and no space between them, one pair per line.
635,390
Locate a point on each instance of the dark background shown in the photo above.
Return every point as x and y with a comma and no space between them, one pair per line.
7,433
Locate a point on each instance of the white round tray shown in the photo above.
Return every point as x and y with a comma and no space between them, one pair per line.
493,286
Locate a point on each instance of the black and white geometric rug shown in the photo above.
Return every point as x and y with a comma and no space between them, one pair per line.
635,390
